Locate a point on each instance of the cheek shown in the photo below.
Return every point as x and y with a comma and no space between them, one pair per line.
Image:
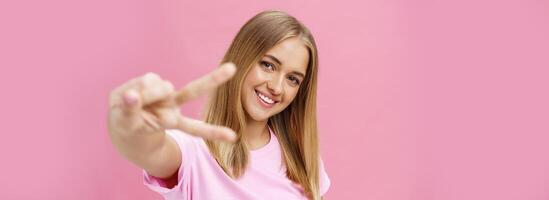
255,75
290,95
251,79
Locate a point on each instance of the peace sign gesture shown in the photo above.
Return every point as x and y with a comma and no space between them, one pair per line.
149,104
144,107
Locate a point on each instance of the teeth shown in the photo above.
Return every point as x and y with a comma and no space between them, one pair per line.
264,98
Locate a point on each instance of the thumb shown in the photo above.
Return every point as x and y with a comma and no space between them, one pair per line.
131,101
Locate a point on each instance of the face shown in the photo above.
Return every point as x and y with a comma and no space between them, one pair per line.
272,83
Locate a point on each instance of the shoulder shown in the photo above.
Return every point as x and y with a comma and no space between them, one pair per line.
184,140
189,145
323,178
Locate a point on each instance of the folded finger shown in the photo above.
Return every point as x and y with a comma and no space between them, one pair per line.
167,116
156,91
137,84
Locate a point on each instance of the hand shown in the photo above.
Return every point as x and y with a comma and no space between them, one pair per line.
149,104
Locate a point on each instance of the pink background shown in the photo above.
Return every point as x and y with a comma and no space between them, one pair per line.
418,100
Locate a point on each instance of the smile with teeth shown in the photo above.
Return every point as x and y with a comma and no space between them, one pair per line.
265,98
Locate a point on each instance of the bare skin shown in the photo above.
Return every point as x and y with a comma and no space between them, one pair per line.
144,107
278,76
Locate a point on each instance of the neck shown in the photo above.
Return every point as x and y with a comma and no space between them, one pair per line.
257,134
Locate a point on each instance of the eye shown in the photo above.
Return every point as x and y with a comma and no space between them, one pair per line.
267,65
294,81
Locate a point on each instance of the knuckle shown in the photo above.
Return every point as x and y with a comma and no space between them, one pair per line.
149,79
151,76
169,86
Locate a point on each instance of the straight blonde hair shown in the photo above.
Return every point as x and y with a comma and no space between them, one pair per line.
295,127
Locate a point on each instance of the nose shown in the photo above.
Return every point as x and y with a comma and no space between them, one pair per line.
275,85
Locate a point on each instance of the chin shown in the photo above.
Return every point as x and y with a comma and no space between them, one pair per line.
259,116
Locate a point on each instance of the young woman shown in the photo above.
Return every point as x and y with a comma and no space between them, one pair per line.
259,139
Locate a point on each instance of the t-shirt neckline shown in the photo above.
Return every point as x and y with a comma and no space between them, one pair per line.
267,147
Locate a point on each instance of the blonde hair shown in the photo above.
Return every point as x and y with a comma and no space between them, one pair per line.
295,127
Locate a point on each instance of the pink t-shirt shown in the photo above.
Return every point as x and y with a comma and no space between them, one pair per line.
200,177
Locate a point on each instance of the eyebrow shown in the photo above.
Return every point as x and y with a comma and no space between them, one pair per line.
280,63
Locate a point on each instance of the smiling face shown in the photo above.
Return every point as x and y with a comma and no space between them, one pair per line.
272,83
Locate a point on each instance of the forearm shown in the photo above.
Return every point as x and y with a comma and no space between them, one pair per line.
144,150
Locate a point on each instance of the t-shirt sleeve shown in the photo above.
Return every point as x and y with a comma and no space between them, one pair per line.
324,179
188,145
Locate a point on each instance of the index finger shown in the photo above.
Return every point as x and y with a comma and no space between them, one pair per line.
206,83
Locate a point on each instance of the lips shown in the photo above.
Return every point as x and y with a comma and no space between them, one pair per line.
265,100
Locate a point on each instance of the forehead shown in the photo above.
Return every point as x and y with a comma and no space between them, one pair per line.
293,54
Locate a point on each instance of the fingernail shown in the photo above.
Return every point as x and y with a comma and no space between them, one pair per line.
130,98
